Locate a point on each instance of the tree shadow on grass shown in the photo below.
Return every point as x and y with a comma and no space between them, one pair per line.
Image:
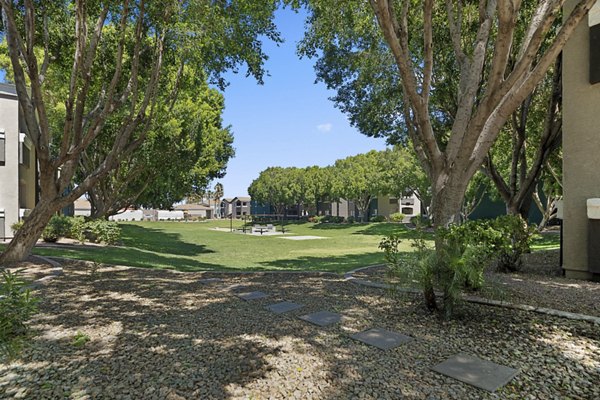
385,229
337,264
159,241
130,257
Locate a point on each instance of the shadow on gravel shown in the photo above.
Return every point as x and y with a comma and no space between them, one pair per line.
163,335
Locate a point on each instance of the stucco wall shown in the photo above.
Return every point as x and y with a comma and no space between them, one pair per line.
581,147
9,173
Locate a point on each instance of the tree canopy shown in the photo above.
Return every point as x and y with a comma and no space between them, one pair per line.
117,59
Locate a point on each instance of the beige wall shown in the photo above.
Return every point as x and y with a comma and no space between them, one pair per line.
581,147
9,173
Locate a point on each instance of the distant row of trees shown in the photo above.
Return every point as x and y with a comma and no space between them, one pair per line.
358,178
397,172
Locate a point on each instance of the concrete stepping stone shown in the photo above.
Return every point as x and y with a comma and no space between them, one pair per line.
251,295
480,373
381,338
322,318
206,281
283,307
238,288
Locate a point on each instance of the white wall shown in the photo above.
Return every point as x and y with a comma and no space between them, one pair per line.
173,215
9,173
129,215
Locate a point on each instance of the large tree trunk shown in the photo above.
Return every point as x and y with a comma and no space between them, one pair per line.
25,238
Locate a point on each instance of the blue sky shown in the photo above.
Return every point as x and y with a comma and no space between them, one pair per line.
288,121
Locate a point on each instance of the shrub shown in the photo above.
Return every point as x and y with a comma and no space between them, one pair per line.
17,225
58,226
351,219
77,229
378,218
17,306
461,256
420,220
332,219
397,217
316,219
100,230
515,238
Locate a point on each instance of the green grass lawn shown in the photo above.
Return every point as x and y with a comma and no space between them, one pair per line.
196,246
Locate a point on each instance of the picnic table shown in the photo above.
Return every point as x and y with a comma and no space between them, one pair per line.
261,228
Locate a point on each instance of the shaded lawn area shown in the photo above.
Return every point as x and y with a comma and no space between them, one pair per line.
197,246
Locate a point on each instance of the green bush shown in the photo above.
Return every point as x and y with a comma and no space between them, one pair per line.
77,228
378,218
100,230
17,306
515,238
462,254
332,219
16,226
58,226
397,217
421,221
351,219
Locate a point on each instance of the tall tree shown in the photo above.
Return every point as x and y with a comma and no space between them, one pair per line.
273,187
403,175
468,52
516,162
114,56
179,157
360,179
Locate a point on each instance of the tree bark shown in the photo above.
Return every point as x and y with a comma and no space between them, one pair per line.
26,237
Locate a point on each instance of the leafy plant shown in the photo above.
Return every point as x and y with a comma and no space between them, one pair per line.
17,306
103,231
17,225
80,339
397,217
517,237
378,218
77,229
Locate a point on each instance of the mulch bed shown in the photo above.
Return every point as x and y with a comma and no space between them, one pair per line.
157,334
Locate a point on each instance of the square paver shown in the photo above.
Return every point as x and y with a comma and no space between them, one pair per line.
238,288
207,281
381,338
283,307
480,373
322,318
251,295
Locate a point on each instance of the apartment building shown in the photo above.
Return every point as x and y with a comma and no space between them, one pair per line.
18,168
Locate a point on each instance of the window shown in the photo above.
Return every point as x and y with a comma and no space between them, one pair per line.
407,210
2,148
24,149
244,204
594,24
2,223
25,155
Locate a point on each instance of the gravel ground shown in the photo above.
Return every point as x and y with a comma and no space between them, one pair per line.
162,335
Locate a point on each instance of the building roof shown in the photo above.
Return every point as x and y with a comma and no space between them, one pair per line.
228,199
242,198
9,89
192,207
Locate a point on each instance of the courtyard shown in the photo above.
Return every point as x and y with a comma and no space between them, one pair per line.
121,332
